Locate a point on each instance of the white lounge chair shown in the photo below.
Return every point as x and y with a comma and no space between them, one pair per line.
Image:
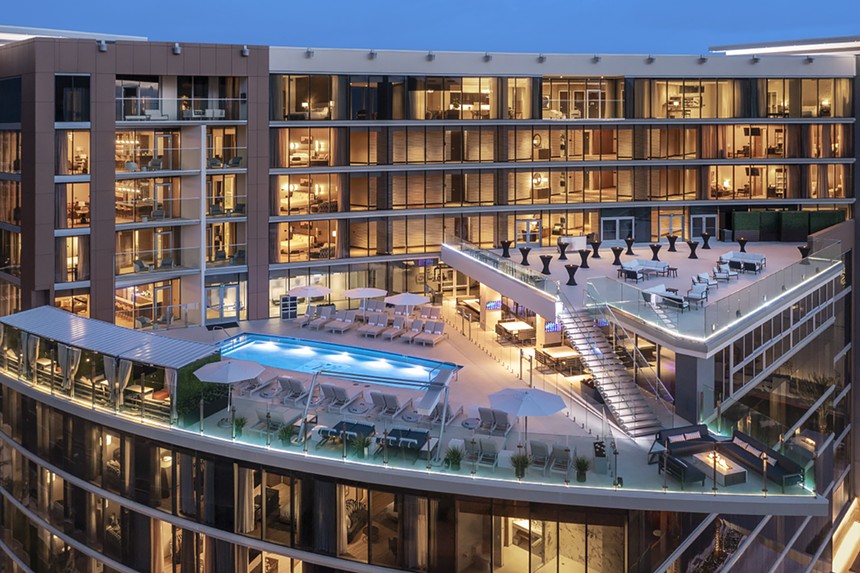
323,319
417,326
395,330
309,316
501,423
489,457
434,337
341,326
341,400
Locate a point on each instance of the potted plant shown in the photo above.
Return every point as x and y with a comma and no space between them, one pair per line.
239,425
582,465
286,433
520,463
453,457
361,444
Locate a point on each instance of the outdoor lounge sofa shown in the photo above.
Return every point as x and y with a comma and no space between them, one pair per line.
748,451
747,262
660,296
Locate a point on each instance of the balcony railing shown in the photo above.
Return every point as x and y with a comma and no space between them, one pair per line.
159,317
181,109
235,206
227,158
720,314
505,266
147,210
141,160
165,260
582,109
227,256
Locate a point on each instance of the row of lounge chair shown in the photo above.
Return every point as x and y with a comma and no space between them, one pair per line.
495,422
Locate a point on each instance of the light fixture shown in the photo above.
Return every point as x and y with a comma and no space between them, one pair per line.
702,59
650,59
430,56
102,46
595,59
754,60
309,53
541,58
537,179
808,60
371,55
245,51
487,56
108,439
177,49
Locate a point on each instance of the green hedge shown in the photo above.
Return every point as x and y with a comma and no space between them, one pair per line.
819,220
189,389
794,226
746,221
770,225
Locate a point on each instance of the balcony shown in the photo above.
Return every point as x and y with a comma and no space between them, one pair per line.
131,209
226,256
226,158
155,110
160,261
140,160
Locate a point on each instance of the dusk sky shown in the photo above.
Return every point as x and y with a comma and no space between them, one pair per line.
586,26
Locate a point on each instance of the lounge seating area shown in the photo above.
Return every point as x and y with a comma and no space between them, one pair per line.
745,262
640,269
660,296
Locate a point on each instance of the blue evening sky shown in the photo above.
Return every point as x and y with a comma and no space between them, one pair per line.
584,26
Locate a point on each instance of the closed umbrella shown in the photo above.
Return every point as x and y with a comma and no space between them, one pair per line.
407,299
364,292
228,371
526,402
309,291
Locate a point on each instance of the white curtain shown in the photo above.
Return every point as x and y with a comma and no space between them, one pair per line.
68,359
110,376
24,364
170,378
156,547
32,352
74,363
242,558
245,501
414,525
124,376
187,503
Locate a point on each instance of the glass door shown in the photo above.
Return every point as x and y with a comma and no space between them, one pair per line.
162,156
222,303
616,228
164,249
163,200
671,224
702,223
528,232
162,301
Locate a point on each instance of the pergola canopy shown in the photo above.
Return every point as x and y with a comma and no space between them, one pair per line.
108,339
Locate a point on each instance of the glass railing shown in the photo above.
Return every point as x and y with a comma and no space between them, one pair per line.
582,109
505,266
181,109
141,160
165,260
235,206
226,256
145,210
260,413
702,323
227,158
159,317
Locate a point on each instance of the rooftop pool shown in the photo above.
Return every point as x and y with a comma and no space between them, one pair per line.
336,359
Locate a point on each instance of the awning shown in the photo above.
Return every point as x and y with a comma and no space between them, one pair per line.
108,339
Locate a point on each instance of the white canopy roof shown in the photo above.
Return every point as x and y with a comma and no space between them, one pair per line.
105,338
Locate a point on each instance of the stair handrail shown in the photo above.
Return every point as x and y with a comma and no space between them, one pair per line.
570,308
659,389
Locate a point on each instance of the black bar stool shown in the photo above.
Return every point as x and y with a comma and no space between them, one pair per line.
692,245
672,239
705,238
804,252
524,251
617,252
562,247
655,248
506,249
546,260
583,254
571,272
743,243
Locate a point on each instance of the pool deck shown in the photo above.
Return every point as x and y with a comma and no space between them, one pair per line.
483,373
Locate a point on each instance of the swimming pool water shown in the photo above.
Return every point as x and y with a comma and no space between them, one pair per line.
311,356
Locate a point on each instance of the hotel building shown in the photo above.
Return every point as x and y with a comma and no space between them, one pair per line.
152,189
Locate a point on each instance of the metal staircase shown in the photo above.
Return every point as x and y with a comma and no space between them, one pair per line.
621,394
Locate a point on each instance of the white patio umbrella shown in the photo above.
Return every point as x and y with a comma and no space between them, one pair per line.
526,402
228,371
407,299
364,292
309,291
